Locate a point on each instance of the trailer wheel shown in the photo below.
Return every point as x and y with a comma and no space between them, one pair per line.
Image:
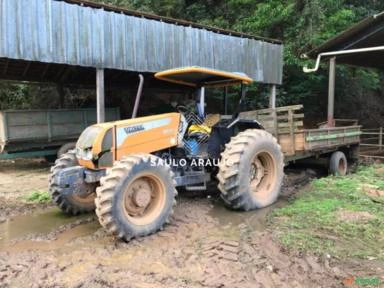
69,203
136,197
338,164
251,170
65,148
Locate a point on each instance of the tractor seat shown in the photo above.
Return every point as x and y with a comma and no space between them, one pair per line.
198,128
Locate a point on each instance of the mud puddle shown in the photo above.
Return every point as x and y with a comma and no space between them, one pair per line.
51,230
44,230
40,222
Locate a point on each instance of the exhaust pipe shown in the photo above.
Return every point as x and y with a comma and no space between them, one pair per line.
138,96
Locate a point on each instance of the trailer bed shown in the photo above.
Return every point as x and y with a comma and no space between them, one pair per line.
25,130
286,124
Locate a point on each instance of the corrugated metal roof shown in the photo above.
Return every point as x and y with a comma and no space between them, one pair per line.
58,32
367,33
181,22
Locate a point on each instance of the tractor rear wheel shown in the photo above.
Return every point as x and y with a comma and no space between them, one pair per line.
136,197
71,204
251,170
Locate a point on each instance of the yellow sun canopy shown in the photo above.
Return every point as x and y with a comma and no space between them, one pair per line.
202,77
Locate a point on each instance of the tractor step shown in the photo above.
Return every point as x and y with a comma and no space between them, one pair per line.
193,181
197,188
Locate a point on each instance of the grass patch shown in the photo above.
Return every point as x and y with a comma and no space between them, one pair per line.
336,216
38,196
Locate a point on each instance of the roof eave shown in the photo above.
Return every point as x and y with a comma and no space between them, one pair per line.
325,47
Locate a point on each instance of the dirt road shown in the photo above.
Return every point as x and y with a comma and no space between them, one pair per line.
205,245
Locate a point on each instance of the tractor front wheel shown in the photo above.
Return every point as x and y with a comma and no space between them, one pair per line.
71,204
251,170
136,197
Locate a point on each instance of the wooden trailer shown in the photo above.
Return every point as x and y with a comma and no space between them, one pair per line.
286,124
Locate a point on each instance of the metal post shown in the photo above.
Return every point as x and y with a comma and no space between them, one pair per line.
100,94
272,97
331,92
202,102
381,139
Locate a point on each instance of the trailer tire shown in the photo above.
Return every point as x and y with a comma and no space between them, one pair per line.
251,170
65,148
136,197
70,204
338,164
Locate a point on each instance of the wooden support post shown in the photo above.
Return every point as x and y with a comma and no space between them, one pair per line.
331,92
272,97
100,94
292,131
381,138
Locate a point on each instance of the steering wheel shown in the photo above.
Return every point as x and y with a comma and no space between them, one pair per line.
189,115
183,110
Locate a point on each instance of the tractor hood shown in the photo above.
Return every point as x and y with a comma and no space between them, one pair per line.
120,138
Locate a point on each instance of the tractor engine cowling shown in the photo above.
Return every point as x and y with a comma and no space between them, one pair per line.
102,144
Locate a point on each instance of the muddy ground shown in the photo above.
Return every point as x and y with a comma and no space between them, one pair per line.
205,245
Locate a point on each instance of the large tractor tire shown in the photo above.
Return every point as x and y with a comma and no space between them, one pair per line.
338,164
136,197
251,170
71,204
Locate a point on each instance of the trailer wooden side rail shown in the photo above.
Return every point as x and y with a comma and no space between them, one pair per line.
286,124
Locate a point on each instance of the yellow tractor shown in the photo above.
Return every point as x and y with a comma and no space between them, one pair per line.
128,170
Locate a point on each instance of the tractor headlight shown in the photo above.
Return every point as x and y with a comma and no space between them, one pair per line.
84,154
85,142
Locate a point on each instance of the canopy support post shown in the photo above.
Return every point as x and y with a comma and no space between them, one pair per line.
202,103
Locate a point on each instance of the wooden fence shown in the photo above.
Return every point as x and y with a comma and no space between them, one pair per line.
372,144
